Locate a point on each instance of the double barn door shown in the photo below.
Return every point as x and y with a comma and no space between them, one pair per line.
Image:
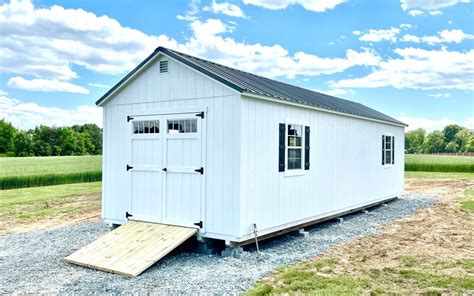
166,168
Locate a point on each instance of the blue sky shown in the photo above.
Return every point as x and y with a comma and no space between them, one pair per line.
411,59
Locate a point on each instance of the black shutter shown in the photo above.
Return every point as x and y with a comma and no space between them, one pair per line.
306,147
393,150
281,149
383,150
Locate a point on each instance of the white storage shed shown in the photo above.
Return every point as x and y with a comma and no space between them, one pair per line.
193,143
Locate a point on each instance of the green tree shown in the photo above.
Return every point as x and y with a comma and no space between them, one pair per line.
464,138
414,141
452,147
46,141
23,144
7,137
450,132
434,142
95,134
68,142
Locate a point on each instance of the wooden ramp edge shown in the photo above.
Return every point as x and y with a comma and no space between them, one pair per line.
131,248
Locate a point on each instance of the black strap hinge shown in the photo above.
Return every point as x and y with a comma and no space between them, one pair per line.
129,118
127,214
129,167
165,169
199,224
201,170
200,114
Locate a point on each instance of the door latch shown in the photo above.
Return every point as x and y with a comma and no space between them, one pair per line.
201,170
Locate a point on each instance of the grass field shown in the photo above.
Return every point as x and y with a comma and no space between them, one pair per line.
21,172
24,205
438,175
439,163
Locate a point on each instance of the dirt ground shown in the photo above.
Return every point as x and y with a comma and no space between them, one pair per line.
80,209
442,234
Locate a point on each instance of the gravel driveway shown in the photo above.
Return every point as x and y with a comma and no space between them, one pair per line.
31,262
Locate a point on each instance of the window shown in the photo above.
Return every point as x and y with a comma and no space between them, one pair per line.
163,66
388,150
182,126
146,127
295,147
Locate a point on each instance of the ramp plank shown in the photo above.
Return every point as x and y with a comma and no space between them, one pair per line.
131,248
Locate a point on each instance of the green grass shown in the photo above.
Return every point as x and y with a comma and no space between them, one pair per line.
27,166
37,202
439,163
21,172
318,278
438,175
467,204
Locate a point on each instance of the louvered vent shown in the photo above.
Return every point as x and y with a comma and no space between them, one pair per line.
163,66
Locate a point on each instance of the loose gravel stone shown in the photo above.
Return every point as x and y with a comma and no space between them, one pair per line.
32,262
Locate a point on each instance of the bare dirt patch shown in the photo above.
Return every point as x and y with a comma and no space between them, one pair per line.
436,240
77,209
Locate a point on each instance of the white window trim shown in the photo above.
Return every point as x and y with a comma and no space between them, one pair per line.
297,172
387,165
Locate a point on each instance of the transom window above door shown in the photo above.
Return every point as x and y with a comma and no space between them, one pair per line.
182,126
146,127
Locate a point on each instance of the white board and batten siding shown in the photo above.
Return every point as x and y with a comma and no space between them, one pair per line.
182,89
345,172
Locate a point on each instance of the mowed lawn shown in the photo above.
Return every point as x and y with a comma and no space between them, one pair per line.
27,166
54,205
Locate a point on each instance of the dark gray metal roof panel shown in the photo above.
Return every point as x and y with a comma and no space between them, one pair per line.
246,82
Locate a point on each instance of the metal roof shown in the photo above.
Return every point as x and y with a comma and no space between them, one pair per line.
246,82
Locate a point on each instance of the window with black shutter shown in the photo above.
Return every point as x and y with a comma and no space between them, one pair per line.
294,142
388,150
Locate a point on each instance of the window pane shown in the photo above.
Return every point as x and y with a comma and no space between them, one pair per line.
294,141
388,157
388,141
294,159
135,127
182,126
295,130
194,126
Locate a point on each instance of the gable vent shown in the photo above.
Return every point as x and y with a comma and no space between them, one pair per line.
163,66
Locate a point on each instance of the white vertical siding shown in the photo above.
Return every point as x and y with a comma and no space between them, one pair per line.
182,87
345,165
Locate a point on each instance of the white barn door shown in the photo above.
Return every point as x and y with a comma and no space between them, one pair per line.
167,169
146,169
184,171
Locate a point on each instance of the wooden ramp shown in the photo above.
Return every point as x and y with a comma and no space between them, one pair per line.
131,248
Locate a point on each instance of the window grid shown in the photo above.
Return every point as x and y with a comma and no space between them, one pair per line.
182,126
146,127
295,147
389,150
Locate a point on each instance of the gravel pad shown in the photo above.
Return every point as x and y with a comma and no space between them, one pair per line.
31,262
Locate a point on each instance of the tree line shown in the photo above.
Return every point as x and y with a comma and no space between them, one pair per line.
43,140
453,138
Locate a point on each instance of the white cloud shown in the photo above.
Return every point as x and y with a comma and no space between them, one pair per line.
62,38
356,32
440,95
99,85
39,84
311,5
225,8
337,92
447,36
406,26
380,35
410,38
427,124
429,4
416,12
469,123
48,42
435,12
27,115
419,69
